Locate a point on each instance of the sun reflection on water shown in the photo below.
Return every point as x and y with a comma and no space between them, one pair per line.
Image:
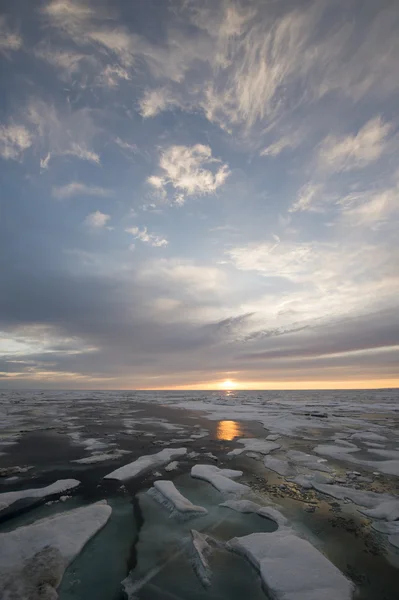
228,430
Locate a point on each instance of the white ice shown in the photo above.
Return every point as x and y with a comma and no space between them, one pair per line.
383,505
59,538
282,467
221,479
146,463
61,485
254,445
172,466
166,493
308,460
291,568
201,551
246,506
96,458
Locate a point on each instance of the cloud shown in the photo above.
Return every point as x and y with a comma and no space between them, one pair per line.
97,219
14,140
285,142
80,151
147,238
79,189
85,26
310,198
125,145
187,170
370,209
44,162
67,61
9,40
355,151
112,75
63,131
155,101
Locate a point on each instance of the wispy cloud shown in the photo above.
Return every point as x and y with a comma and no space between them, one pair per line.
79,189
97,220
155,101
80,151
148,238
355,151
14,140
9,40
188,170
311,197
112,75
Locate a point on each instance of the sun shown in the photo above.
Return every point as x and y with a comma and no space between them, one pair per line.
228,385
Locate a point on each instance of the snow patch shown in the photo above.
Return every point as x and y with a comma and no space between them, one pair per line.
96,458
172,466
254,445
221,479
291,568
166,493
146,463
59,486
246,507
35,556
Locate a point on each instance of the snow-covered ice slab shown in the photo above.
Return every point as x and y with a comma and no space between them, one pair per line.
291,568
282,467
146,463
97,458
388,510
247,506
221,479
166,493
254,445
383,505
172,466
35,556
59,486
308,460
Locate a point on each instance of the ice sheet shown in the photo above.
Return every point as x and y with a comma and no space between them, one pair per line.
59,486
221,479
146,463
291,568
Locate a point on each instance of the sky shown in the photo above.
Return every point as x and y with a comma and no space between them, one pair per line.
199,192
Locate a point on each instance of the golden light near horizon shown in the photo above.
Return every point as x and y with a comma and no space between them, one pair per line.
228,385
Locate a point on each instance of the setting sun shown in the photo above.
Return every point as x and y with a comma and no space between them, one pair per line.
228,385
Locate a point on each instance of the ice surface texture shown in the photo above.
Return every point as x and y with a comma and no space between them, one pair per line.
146,463
59,486
221,479
291,568
166,493
36,555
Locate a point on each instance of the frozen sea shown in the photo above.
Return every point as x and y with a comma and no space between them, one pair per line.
325,462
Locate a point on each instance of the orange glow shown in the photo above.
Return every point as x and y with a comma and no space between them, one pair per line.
228,385
349,384
228,430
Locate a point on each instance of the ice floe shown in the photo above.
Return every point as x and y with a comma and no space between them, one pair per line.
166,493
146,463
254,445
279,466
201,551
96,458
221,479
172,466
247,506
291,568
34,557
62,485
308,460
